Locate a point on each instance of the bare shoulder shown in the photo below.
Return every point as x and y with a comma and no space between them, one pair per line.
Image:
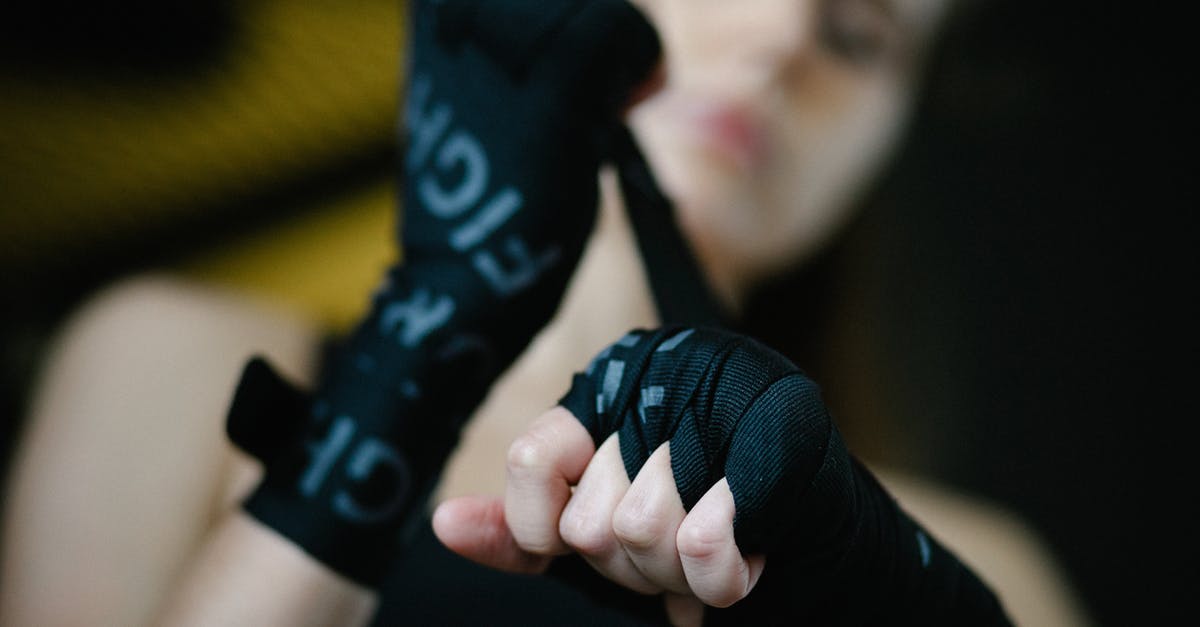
1001,547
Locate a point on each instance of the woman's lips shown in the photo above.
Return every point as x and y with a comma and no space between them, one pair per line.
700,143
735,132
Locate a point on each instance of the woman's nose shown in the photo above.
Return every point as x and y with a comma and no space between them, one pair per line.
743,41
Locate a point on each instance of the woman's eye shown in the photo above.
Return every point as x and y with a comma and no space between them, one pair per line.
859,31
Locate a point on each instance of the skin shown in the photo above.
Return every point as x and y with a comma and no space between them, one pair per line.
773,114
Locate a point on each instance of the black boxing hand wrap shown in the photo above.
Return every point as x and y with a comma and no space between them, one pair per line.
840,551
507,106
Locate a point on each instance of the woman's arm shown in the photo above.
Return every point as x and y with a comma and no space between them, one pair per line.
122,469
247,574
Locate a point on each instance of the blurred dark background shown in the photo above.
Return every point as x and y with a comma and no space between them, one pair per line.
1010,313
217,140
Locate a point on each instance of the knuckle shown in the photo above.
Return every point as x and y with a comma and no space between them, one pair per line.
527,454
532,534
588,535
537,542
636,528
698,541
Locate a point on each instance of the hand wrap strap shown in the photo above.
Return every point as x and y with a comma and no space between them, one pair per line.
840,551
507,103
681,293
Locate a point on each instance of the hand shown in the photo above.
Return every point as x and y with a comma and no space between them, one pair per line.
729,447
635,533
507,109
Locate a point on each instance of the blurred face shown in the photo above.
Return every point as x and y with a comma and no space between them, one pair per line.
775,113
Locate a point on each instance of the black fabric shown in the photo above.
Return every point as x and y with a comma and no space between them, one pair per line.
267,411
507,108
839,549
681,294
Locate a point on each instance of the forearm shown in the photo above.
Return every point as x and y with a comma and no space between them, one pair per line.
247,574
871,563
500,197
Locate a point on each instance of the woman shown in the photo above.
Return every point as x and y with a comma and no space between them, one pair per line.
772,118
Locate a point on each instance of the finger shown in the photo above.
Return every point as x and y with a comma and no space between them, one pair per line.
586,525
543,463
475,528
716,571
647,520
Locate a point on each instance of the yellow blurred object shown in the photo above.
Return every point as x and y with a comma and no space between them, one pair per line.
324,265
296,92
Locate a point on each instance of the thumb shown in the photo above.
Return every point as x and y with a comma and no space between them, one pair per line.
475,528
